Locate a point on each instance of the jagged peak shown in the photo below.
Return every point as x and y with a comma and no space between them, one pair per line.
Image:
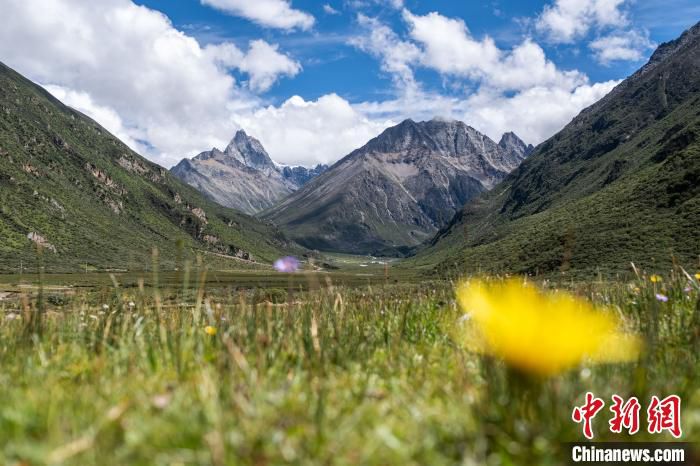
668,48
511,137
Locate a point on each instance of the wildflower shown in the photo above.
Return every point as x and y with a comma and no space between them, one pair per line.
287,264
541,333
655,278
687,289
132,304
697,276
209,330
105,307
661,297
162,401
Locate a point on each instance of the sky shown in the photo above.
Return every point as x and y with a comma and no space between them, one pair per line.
313,80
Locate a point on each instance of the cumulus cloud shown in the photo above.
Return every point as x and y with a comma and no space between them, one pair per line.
270,13
621,46
508,90
566,20
395,54
168,96
105,116
450,49
534,114
310,132
165,88
263,62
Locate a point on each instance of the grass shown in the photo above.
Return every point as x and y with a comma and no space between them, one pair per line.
369,374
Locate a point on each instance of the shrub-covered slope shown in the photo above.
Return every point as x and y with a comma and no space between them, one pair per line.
69,185
620,183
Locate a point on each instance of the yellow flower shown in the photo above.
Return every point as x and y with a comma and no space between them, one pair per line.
538,332
655,278
697,276
209,330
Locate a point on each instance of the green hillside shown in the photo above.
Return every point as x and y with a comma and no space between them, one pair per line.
619,184
67,183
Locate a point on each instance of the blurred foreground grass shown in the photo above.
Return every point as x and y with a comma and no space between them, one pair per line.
185,375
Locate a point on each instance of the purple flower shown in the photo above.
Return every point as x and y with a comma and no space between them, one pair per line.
661,297
688,289
287,264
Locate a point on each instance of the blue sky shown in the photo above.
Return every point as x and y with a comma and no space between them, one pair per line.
314,80
331,64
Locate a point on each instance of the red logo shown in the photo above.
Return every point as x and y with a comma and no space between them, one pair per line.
662,415
587,412
665,415
625,415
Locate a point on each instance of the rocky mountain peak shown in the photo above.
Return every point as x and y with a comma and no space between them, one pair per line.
669,48
249,151
411,180
436,135
243,176
512,144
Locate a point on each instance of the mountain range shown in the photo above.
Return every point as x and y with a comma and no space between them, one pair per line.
243,176
619,184
398,190
77,193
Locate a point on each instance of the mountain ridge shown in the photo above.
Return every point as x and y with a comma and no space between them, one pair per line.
618,184
243,176
397,190
75,191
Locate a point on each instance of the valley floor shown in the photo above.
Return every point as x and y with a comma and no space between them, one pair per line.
372,373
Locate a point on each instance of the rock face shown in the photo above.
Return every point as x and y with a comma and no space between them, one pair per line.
618,184
397,190
243,176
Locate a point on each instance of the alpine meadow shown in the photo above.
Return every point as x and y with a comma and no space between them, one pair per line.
382,232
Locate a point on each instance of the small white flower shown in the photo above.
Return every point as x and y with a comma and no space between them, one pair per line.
105,307
585,373
132,304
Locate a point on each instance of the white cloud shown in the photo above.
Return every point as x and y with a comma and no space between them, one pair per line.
621,46
105,116
566,20
396,55
263,62
450,49
507,90
534,114
165,88
311,132
329,10
270,13
166,95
